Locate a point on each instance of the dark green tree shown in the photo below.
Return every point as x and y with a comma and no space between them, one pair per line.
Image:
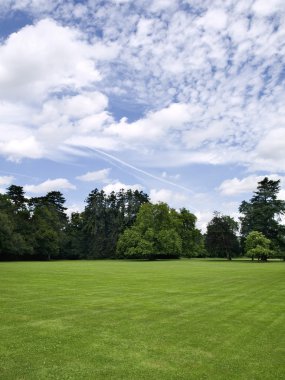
48,224
73,245
154,235
16,195
46,233
106,216
192,239
7,229
19,215
94,220
221,237
263,213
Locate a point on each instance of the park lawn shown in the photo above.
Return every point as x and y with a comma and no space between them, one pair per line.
184,319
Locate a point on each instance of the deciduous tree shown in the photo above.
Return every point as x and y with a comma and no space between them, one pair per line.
221,237
257,245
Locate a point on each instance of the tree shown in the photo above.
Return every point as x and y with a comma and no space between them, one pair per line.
17,196
257,245
46,233
263,213
14,209
154,235
48,225
221,237
106,216
7,229
73,246
192,239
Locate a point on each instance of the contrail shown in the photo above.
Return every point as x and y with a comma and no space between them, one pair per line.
18,174
113,158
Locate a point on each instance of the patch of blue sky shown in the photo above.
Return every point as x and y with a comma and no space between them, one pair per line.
12,22
202,101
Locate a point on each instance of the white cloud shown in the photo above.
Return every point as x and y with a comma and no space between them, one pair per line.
214,18
272,146
174,199
52,58
266,8
15,149
155,125
96,176
79,106
50,185
6,180
209,77
245,185
74,207
117,186
203,218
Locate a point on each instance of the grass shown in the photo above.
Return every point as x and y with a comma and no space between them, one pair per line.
187,319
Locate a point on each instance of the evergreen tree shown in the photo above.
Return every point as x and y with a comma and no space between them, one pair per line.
74,246
106,216
94,220
19,215
263,213
48,223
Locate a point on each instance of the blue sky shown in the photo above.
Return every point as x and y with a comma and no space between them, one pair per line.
183,99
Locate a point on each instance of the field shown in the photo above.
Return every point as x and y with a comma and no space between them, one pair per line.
187,319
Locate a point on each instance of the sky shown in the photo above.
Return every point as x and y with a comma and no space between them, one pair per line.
182,99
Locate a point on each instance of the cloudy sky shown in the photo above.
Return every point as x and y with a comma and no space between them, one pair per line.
183,99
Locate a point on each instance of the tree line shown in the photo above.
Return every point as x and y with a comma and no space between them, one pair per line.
126,224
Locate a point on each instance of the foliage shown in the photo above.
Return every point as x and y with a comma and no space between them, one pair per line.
14,226
192,239
73,246
221,237
160,232
106,216
257,245
126,224
263,213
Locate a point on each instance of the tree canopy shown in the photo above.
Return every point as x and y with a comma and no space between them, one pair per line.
221,237
257,245
125,224
263,213
160,232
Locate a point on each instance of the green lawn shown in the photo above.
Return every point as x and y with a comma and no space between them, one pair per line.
187,319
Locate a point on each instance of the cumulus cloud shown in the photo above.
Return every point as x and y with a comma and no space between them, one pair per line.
74,207
174,199
117,186
47,93
15,149
96,176
50,185
264,8
203,218
248,184
209,74
52,57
